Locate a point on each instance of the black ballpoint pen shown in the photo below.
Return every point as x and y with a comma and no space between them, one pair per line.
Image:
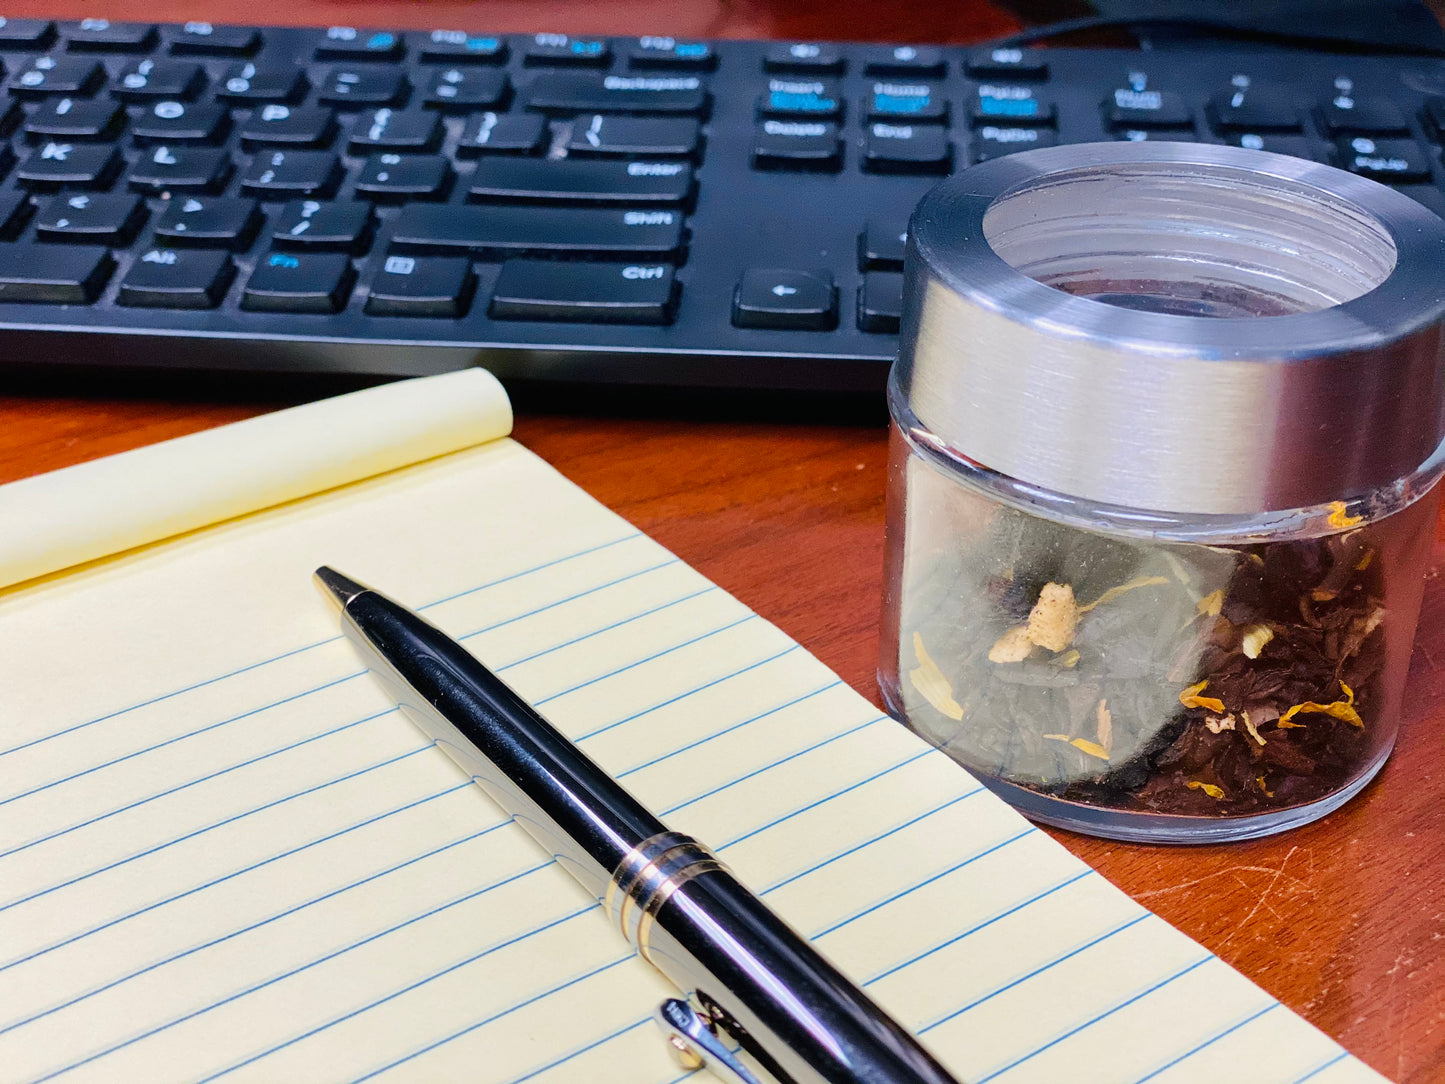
745,972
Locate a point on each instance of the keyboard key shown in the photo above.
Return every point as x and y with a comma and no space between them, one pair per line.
906,102
396,177
179,122
1254,109
75,118
164,168
349,43
27,35
1006,62
86,219
583,92
1347,114
1156,135
786,299
882,244
1005,104
1390,160
1296,146
635,136
906,148
991,141
171,79
104,36
53,274
312,226
663,52
70,165
206,39
488,133
168,278
315,282
1130,108
466,89
298,126
15,211
584,293
291,174
797,145
395,130
635,183
880,302
810,57
210,222
785,97
905,60
247,84
552,49
459,47
1434,118
58,75
363,86
436,286
498,232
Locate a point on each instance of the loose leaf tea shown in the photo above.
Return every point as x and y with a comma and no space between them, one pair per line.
1196,680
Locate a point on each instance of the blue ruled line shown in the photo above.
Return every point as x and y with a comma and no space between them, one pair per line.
191,783
682,696
580,1051
974,929
237,873
996,991
1317,1070
299,650
926,881
768,767
729,729
211,827
650,658
1208,1042
255,925
1093,1020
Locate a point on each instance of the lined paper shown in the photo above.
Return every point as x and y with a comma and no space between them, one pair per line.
225,857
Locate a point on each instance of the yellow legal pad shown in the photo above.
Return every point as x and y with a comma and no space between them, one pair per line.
224,856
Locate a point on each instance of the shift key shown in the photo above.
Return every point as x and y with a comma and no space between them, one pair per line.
499,232
584,293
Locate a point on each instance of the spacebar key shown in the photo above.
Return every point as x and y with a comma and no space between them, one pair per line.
498,232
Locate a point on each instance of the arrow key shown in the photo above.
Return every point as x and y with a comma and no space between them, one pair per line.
209,222
787,299
167,278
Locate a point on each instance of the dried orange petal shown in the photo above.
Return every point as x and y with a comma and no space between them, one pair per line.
928,679
1190,698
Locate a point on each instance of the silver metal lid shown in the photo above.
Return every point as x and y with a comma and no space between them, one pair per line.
1055,326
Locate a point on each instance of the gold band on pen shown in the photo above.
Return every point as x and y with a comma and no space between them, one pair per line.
646,879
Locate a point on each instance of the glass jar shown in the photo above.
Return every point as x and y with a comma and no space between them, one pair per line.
1167,427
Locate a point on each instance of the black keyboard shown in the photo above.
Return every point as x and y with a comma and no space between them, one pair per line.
606,210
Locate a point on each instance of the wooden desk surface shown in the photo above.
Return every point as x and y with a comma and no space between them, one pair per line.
1344,920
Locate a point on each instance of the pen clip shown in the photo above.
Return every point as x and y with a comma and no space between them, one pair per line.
696,1045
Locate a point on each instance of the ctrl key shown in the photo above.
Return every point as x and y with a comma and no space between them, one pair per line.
53,274
584,293
299,282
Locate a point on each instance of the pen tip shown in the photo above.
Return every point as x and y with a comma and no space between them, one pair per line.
340,589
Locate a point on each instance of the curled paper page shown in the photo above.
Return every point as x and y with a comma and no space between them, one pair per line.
81,513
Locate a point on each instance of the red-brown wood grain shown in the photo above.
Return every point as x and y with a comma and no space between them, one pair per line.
1344,920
